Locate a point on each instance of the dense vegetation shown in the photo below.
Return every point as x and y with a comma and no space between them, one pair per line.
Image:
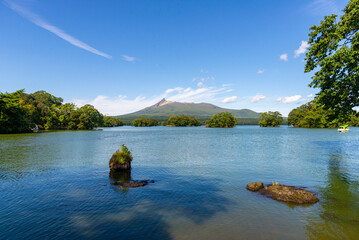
144,122
222,120
334,53
112,122
123,155
183,121
314,115
270,119
22,112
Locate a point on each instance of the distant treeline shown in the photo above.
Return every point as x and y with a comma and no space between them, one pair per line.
22,112
219,120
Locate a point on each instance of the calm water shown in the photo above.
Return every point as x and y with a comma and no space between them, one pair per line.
56,185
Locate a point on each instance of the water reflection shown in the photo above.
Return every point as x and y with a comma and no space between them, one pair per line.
339,214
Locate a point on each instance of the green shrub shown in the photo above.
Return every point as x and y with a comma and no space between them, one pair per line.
222,120
123,155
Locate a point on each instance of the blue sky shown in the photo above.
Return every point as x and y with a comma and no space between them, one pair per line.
122,56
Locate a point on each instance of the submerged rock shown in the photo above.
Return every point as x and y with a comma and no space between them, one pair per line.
255,186
133,183
288,194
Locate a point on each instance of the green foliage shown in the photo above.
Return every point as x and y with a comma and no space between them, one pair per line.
222,120
144,122
13,113
334,52
20,112
270,119
183,121
42,107
88,117
123,155
313,115
112,122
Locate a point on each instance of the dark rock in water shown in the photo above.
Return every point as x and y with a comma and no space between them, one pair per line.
133,183
288,194
116,166
255,186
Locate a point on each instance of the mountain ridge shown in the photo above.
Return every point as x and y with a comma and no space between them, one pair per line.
164,109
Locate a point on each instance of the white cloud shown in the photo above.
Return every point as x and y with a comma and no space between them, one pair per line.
301,50
122,104
200,84
258,98
284,57
128,58
290,99
55,30
260,71
229,99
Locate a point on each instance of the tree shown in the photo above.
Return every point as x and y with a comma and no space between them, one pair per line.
222,120
144,122
270,119
313,115
334,52
89,117
13,113
112,122
183,121
42,108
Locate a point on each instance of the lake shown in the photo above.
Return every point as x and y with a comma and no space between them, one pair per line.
56,185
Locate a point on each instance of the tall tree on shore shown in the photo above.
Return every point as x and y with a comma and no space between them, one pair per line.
334,53
13,113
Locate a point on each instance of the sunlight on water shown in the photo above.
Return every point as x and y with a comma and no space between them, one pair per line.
56,185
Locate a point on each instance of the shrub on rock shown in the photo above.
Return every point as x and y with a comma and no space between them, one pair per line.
121,159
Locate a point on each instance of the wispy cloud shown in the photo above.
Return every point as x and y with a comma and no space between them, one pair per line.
257,98
128,58
229,99
122,104
53,29
301,50
323,7
290,99
260,71
284,57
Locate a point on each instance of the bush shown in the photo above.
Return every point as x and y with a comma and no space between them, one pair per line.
123,155
144,122
270,119
183,121
222,120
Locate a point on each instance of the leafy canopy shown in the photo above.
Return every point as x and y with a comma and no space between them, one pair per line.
144,122
183,121
222,120
313,115
270,119
334,54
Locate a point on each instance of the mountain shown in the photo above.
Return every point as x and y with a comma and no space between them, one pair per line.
162,110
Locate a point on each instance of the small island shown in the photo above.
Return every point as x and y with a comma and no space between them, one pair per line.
144,122
222,120
270,119
183,121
